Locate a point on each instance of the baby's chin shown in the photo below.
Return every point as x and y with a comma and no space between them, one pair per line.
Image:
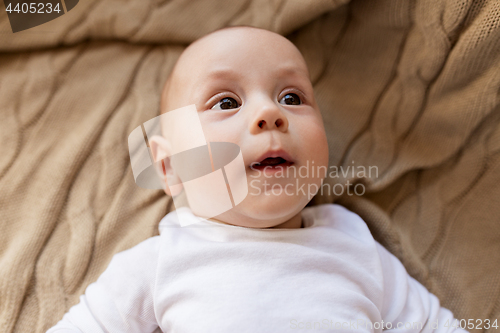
266,211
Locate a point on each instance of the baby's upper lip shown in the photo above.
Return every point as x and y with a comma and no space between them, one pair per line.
274,154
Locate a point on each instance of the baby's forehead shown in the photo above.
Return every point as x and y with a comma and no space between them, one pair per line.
227,54
225,47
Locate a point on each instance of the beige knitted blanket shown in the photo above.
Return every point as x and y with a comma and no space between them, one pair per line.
408,87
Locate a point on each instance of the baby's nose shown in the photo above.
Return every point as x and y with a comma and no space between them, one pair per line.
278,123
270,118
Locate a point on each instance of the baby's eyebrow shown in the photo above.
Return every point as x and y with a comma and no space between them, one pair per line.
223,73
291,70
230,73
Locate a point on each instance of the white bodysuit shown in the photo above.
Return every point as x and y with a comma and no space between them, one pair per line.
210,277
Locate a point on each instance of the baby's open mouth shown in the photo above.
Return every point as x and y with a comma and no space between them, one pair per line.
271,162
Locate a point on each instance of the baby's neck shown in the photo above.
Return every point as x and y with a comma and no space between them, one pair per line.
294,223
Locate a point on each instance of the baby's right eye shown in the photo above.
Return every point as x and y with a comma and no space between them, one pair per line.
225,104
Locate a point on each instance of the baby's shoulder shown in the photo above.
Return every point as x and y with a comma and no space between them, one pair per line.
143,254
134,266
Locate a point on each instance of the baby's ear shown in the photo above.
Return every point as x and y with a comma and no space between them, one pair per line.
160,149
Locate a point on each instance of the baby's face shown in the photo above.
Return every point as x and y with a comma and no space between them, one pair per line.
252,88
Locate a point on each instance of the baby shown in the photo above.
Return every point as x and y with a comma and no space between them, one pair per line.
268,264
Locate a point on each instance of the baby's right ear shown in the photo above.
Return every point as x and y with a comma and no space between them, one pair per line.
160,149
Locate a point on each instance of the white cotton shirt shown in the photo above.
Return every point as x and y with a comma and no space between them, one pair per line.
213,277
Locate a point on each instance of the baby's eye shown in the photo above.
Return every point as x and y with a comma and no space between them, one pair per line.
226,103
291,99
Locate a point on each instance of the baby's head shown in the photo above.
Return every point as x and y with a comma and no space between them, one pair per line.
251,87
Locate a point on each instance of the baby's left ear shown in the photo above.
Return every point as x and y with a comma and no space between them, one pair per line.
160,149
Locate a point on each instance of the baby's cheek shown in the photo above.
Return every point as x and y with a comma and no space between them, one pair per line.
317,145
217,133
222,137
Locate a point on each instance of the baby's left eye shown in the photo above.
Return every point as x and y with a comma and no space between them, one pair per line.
290,99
